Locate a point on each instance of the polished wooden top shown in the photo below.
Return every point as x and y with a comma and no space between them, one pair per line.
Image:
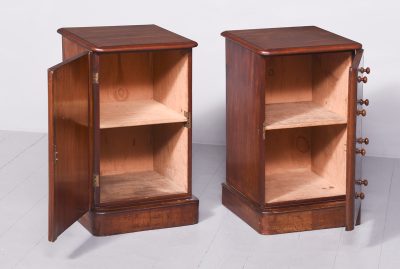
290,40
126,38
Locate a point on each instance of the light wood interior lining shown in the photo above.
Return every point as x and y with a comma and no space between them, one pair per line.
128,78
328,153
288,79
298,161
171,153
299,184
330,73
318,78
127,153
299,114
137,185
306,99
136,113
126,150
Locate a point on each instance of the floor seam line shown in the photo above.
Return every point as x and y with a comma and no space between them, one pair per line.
22,181
211,243
21,217
29,251
23,151
386,213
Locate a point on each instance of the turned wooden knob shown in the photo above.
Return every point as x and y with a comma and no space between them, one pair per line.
362,182
363,102
362,79
362,112
363,140
365,70
360,195
361,151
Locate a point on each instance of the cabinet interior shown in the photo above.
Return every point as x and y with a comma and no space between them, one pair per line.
143,162
144,97
306,102
306,90
140,88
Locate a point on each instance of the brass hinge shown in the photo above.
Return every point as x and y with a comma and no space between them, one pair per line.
188,123
96,182
55,153
264,130
96,78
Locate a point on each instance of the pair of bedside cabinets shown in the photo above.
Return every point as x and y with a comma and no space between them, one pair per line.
120,130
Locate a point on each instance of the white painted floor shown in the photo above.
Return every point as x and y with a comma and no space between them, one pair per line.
220,240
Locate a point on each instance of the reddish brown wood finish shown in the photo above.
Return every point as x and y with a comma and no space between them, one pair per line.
126,38
69,185
290,40
140,217
351,207
284,219
70,198
71,49
245,86
249,54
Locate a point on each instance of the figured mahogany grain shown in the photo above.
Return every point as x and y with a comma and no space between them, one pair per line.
141,216
245,88
126,38
290,40
287,218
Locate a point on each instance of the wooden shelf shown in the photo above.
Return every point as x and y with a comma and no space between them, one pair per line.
299,114
137,185
299,184
135,113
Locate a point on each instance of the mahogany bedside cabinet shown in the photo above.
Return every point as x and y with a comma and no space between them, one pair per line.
120,130
294,141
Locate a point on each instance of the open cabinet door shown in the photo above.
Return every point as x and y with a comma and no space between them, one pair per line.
353,190
69,181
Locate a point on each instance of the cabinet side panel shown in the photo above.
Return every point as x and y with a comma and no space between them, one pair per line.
171,153
331,80
171,80
245,84
70,49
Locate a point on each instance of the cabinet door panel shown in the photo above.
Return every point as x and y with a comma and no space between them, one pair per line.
69,180
354,162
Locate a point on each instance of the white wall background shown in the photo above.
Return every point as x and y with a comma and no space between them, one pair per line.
29,45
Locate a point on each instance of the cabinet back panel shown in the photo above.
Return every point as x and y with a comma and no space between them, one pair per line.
321,78
287,149
160,75
288,79
125,77
126,150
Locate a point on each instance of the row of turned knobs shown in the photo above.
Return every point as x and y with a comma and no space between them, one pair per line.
363,70
363,112
361,101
